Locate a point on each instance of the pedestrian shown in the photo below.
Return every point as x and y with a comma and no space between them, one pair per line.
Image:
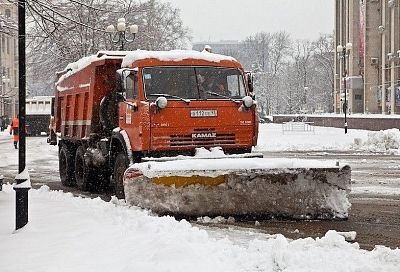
1,123
14,130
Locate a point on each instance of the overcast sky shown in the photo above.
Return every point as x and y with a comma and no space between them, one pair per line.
214,20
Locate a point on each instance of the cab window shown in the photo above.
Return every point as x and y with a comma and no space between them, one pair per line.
235,85
131,86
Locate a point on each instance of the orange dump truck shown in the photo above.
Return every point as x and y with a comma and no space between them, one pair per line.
115,108
121,119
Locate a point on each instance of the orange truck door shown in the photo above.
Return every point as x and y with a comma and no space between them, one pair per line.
134,114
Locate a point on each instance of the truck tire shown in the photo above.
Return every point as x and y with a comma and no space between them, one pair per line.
66,166
120,165
82,171
89,178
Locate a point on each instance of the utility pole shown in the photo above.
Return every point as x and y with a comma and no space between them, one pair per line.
22,179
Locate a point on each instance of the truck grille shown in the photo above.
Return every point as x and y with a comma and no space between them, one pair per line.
188,140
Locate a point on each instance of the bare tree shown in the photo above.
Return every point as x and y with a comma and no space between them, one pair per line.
162,28
62,31
303,51
290,77
257,46
323,63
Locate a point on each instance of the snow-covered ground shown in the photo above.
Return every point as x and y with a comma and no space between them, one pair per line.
67,233
39,154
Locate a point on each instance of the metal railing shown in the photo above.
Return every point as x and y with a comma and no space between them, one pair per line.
298,127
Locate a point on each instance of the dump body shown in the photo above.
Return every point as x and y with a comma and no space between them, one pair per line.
78,98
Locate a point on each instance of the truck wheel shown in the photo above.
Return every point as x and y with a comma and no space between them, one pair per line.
66,166
120,165
89,178
82,171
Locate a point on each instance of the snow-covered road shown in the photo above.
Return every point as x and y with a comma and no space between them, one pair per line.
372,155
67,233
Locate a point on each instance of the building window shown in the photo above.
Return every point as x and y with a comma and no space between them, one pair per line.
8,13
15,50
358,97
15,78
8,45
3,42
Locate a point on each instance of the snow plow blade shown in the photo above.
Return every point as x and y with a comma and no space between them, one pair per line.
241,187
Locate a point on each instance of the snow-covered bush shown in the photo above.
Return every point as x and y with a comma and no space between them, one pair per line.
387,141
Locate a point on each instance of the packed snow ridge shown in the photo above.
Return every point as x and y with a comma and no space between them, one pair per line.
387,141
214,162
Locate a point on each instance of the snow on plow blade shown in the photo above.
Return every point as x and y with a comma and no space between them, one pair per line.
241,187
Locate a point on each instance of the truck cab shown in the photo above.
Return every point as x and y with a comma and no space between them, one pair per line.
174,106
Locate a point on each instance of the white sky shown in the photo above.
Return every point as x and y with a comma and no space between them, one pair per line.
212,20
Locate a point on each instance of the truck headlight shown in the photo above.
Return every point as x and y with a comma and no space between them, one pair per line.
248,101
161,102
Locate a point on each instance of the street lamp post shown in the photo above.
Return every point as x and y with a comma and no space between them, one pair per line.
120,34
22,179
343,53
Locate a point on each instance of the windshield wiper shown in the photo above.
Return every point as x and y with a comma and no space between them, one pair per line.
172,96
223,96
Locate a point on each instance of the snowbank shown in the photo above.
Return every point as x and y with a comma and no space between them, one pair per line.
271,138
67,233
387,141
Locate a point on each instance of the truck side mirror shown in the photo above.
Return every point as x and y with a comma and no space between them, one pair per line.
125,74
120,86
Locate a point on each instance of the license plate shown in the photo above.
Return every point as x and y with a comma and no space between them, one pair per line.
203,113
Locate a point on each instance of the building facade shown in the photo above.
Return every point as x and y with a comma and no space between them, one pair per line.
370,71
8,59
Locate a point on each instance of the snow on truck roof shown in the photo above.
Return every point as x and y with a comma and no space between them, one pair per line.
173,55
129,57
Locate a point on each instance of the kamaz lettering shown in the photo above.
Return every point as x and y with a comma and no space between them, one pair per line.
204,135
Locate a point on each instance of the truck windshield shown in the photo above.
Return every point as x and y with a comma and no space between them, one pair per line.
194,82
